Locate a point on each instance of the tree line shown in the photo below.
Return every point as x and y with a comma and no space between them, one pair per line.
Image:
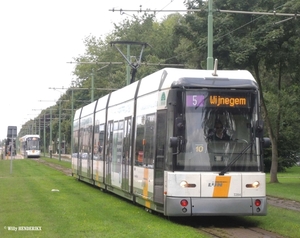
268,46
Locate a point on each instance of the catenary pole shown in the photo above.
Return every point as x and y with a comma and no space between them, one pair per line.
50,143
210,59
44,134
210,22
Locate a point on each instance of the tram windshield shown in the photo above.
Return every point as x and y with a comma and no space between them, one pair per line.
32,143
219,131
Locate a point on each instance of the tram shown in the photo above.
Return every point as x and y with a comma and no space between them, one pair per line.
30,146
152,142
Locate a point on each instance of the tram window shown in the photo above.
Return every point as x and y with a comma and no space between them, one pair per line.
116,125
149,136
121,125
101,140
139,141
117,146
160,139
126,140
86,142
145,137
109,141
75,148
98,141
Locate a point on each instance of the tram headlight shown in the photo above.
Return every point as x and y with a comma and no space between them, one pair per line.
184,184
255,184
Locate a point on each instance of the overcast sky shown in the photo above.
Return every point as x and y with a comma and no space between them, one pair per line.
39,37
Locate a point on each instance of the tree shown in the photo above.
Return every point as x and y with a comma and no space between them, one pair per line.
257,44
241,41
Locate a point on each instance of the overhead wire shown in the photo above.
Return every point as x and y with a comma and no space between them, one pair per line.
166,5
122,12
219,37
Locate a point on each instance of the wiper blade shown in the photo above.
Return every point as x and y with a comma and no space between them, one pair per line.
201,102
235,159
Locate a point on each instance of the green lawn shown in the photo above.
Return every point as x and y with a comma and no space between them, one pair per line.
76,210
288,186
80,210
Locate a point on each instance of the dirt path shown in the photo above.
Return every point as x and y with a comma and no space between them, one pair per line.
66,171
284,203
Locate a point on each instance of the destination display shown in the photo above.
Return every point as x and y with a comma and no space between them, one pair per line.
215,100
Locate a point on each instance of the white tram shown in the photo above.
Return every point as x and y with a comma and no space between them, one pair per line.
150,143
30,146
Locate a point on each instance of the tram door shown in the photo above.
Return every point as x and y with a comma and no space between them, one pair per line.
76,144
86,142
79,156
89,156
126,156
108,154
160,156
118,153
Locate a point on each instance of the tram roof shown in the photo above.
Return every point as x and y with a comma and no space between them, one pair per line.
174,77
27,136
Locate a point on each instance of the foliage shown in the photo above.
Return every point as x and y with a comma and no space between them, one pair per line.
241,41
255,42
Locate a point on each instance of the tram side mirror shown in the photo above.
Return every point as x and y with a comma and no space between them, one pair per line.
259,127
179,126
266,142
173,142
177,142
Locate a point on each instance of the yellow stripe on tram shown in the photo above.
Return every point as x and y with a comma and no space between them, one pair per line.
145,189
222,185
97,172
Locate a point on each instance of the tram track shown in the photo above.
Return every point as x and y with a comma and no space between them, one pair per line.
225,227
239,232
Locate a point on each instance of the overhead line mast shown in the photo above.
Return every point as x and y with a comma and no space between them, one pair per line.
210,22
129,63
118,63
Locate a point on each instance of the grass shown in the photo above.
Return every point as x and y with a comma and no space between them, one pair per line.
288,186
76,210
66,164
80,210
282,221
278,220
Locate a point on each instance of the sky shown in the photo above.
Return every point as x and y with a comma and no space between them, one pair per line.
39,37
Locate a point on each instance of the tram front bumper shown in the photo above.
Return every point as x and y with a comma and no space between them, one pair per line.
215,206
